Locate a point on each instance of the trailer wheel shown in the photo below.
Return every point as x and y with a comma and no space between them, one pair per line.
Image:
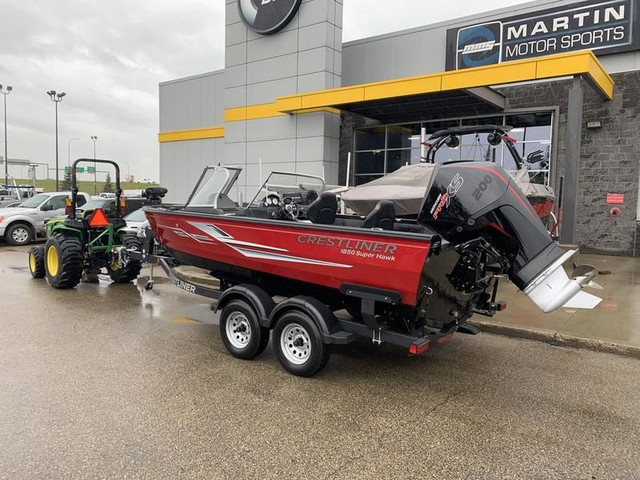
241,332
298,344
126,273
63,261
36,262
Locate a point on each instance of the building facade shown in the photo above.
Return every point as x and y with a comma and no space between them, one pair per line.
298,99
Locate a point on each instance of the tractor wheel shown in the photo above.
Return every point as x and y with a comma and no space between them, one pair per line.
36,262
129,272
19,234
63,260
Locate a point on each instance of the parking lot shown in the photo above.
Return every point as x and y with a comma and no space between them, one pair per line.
112,381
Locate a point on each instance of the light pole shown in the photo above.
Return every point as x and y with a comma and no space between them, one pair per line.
56,98
6,159
69,150
95,187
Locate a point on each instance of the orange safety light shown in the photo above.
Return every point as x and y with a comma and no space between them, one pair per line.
123,206
67,206
98,219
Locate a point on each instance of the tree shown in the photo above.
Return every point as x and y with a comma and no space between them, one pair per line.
108,186
66,182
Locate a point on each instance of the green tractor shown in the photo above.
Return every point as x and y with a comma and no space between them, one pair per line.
87,243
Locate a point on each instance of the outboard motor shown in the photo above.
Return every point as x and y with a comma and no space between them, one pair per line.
478,206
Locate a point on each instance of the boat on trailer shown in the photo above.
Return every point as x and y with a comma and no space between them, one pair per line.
409,282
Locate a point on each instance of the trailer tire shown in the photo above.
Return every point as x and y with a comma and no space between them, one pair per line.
130,271
36,262
241,332
63,261
298,344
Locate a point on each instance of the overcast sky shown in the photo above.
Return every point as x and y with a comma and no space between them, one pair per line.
109,56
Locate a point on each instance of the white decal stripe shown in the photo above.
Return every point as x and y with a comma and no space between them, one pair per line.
287,258
224,237
249,244
211,230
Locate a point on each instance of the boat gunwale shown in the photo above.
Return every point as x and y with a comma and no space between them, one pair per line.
425,237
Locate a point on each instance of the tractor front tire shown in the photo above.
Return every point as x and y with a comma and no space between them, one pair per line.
63,259
36,262
130,271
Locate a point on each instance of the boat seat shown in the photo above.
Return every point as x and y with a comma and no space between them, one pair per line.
382,216
310,196
323,209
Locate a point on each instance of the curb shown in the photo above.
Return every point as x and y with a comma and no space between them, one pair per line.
558,339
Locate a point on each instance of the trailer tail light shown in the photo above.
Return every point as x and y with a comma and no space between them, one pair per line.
500,306
67,206
417,349
98,219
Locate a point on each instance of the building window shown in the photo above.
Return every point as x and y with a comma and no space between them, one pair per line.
383,149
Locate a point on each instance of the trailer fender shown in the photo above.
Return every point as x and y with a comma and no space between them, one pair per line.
260,300
319,313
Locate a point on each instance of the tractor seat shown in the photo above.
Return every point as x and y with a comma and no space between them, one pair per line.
323,209
154,194
383,216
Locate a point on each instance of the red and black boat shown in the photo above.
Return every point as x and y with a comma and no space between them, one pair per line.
408,282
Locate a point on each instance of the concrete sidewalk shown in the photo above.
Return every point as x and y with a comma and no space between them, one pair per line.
613,326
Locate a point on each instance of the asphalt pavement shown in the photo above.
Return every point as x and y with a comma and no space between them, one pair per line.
111,381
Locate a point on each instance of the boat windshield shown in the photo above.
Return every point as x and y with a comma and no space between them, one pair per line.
214,182
287,184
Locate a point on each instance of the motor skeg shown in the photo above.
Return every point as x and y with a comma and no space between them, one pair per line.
466,200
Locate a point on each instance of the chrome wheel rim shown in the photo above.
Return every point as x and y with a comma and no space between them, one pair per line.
20,235
238,330
295,344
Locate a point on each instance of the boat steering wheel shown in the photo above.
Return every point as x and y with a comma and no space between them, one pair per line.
289,208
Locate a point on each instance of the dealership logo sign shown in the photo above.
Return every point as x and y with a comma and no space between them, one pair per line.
599,26
267,16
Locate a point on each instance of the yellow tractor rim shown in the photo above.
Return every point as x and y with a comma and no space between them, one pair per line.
52,261
32,262
115,263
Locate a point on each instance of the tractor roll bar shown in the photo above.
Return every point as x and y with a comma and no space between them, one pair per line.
74,185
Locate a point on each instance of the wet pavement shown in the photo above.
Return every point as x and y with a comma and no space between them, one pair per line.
615,320
111,381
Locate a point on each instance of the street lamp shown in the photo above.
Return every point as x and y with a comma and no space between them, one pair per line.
69,150
6,159
57,98
95,187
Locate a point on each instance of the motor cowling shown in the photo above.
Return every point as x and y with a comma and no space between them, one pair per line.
466,201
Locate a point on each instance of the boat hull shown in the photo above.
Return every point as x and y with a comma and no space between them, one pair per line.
328,256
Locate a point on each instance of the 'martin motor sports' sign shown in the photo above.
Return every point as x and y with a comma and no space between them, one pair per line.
605,27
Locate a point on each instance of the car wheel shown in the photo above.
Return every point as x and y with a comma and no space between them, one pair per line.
19,234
